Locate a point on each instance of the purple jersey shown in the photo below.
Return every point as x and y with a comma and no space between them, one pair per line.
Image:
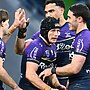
39,52
63,44
81,46
2,49
64,41
2,55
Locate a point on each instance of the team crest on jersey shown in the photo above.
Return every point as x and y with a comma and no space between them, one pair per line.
79,45
47,53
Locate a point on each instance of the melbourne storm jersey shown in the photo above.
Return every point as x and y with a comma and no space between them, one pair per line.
81,46
64,41
38,52
63,44
2,55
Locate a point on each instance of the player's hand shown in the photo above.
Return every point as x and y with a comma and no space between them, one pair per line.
45,73
18,16
24,22
61,87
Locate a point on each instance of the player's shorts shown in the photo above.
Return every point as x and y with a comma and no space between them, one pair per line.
80,85
1,88
63,80
1,85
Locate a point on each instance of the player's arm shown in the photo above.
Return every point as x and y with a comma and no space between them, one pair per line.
18,19
33,53
73,68
4,76
31,75
21,44
54,80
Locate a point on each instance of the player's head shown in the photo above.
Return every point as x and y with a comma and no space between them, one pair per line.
49,29
80,9
54,8
4,19
78,13
3,15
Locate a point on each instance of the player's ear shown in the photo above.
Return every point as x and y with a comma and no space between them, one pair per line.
62,10
80,19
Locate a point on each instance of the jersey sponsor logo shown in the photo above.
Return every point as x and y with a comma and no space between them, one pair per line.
71,55
79,45
44,66
63,47
88,71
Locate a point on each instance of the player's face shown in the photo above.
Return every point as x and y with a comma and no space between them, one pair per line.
53,35
53,11
5,26
73,24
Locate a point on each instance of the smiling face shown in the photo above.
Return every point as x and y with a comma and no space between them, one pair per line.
53,35
53,11
72,20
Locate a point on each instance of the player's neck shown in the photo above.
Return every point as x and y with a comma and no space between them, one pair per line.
45,41
1,32
62,21
81,27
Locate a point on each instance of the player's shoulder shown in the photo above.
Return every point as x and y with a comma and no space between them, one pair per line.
86,33
1,43
36,43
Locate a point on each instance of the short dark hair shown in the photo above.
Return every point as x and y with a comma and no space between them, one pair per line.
3,15
57,2
82,10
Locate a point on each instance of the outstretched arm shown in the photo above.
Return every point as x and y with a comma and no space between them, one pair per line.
18,19
20,43
73,68
4,76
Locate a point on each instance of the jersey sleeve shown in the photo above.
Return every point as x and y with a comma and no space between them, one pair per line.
83,45
2,50
33,53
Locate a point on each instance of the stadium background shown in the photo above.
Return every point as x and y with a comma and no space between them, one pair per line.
34,10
